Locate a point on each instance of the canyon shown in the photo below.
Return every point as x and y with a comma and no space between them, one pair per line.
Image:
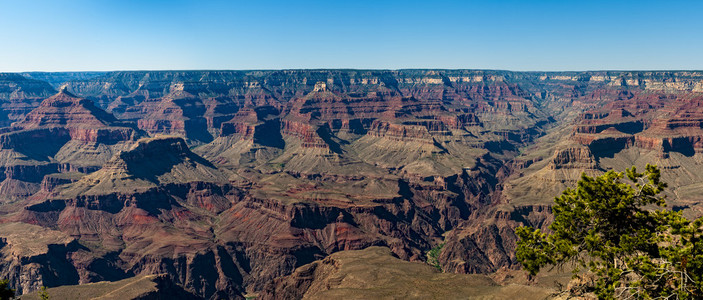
232,184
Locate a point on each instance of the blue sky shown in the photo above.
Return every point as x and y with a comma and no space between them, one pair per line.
81,35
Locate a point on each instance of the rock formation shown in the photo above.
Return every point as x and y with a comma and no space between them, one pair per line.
373,273
64,133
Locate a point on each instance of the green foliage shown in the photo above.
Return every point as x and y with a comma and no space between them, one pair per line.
5,291
622,237
433,256
43,294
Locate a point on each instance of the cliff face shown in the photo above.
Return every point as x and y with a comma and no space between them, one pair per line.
194,104
265,171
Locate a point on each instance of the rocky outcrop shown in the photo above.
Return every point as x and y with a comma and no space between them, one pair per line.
485,248
136,288
398,132
65,109
52,181
36,256
177,113
306,133
132,200
459,121
575,158
627,127
373,273
662,122
66,116
63,134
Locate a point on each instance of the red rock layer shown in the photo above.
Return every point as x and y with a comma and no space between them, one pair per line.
650,120
305,132
398,132
65,109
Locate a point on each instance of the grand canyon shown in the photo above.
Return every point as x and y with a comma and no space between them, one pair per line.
279,184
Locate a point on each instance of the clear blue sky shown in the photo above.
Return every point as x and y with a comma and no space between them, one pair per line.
80,35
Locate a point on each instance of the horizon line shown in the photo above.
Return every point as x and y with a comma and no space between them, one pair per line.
355,69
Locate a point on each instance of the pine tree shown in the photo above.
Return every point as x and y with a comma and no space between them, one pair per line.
43,294
6,292
622,237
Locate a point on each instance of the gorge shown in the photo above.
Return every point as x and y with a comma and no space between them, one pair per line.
222,183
